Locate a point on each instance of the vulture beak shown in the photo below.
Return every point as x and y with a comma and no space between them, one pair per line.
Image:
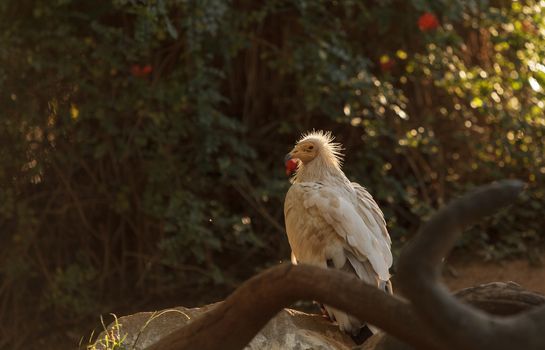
291,164
287,157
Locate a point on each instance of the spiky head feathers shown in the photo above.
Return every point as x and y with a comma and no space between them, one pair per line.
318,144
324,140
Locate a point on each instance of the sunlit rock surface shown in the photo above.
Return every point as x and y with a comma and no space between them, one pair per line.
290,329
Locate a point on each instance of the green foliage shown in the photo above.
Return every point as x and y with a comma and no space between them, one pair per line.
142,141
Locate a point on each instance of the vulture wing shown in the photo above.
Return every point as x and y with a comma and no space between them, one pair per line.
370,212
312,207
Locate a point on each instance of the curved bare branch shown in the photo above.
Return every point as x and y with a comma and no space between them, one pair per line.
235,321
433,320
458,325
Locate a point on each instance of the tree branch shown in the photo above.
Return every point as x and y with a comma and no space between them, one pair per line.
434,319
236,321
458,325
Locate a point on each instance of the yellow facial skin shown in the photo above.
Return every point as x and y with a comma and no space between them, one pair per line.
305,151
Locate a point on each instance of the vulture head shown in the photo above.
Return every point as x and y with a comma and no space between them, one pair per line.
314,148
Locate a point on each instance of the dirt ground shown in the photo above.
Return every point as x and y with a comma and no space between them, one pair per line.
463,272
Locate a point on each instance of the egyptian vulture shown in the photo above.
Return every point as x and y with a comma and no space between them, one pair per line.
332,222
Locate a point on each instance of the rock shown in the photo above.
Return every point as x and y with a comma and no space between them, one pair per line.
140,330
290,329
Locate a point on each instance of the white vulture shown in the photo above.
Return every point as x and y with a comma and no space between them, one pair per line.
332,222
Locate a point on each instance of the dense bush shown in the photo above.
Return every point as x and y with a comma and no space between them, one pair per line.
142,141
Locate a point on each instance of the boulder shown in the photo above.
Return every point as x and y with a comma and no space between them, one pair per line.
290,329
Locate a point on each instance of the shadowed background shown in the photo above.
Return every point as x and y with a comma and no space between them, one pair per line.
141,142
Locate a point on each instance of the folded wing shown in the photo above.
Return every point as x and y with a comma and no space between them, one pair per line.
359,222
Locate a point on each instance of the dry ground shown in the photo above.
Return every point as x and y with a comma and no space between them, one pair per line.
466,272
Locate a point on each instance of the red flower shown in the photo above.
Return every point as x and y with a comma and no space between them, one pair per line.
147,69
139,71
428,22
386,63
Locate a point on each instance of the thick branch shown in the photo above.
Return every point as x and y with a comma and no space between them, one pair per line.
236,321
441,321
459,325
